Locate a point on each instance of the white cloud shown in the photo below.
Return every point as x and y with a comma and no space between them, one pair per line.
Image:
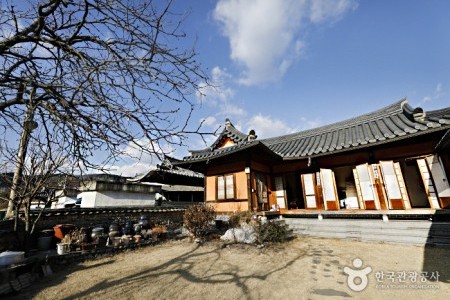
229,109
135,161
438,94
426,99
132,170
209,121
266,126
330,10
308,124
216,91
219,94
264,35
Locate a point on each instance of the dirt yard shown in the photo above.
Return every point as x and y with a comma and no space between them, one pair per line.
305,268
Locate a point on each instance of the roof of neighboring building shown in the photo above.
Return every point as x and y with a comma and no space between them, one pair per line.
182,188
167,168
392,123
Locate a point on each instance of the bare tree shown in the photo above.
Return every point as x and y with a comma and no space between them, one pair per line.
42,175
94,76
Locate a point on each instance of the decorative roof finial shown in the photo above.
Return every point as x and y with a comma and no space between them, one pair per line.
227,123
252,135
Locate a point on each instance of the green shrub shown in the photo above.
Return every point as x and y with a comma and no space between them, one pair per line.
197,219
272,232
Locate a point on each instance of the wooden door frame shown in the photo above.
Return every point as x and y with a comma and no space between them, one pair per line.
334,189
373,185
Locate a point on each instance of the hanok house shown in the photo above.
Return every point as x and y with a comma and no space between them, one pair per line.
106,190
178,184
395,158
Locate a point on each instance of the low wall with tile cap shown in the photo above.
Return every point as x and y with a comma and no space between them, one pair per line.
90,217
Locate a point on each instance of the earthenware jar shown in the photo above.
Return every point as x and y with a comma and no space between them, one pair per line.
127,229
137,228
97,233
62,229
44,243
102,240
126,239
143,221
116,241
114,227
137,238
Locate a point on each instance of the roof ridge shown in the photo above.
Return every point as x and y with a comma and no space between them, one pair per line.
229,131
391,109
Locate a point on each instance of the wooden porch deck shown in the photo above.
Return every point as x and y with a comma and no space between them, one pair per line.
412,214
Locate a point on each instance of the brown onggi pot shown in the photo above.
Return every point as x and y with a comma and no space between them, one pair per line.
62,229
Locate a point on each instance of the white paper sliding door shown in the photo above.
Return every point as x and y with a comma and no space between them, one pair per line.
310,190
435,181
279,192
329,192
367,188
394,185
439,176
428,183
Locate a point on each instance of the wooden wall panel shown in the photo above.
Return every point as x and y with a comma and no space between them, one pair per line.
241,185
256,166
221,169
210,188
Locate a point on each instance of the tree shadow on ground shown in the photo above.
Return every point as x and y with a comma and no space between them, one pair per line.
60,273
183,268
437,251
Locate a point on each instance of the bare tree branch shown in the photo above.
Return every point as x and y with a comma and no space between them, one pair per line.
101,74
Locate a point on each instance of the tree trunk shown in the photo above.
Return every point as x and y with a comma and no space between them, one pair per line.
27,128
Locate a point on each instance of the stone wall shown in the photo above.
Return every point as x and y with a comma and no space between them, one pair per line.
172,218
90,217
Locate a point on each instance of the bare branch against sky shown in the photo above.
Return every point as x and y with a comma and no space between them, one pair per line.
89,77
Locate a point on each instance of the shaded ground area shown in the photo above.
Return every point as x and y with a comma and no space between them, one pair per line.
305,268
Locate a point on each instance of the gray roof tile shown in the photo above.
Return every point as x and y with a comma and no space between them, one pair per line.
393,122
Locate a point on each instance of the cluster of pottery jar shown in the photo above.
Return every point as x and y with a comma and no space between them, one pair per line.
143,221
129,233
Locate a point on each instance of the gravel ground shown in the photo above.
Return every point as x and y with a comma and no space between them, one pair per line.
304,268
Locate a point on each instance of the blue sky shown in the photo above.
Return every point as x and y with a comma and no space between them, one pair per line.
283,66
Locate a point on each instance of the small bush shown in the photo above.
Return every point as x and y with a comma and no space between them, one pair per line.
197,219
272,232
239,217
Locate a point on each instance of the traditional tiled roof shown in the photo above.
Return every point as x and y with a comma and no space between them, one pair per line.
167,167
391,123
228,132
206,155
